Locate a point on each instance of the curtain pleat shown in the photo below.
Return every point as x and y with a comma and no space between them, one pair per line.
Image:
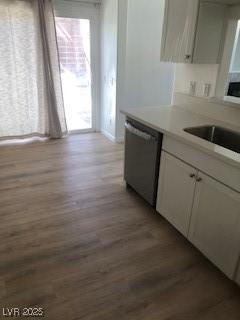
57,123
31,101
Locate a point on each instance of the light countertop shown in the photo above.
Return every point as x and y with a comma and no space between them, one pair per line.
172,120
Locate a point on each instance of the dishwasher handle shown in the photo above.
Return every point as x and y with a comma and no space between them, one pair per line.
139,133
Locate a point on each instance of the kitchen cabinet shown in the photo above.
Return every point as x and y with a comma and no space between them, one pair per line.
179,30
203,209
209,33
192,31
215,223
175,192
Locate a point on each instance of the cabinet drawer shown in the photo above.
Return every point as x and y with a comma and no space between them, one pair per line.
219,170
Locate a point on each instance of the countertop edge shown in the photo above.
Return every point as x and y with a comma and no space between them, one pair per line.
195,145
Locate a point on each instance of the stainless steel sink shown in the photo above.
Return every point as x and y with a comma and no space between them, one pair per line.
223,137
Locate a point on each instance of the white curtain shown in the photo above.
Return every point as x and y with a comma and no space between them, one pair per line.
31,100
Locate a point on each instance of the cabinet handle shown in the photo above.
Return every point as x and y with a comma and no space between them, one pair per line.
192,175
199,179
187,56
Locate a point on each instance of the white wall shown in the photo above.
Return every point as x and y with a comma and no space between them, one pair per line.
201,73
148,81
131,41
121,66
144,81
109,20
234,12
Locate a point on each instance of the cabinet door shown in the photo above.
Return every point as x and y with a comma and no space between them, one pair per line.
179,30
175,191
215,223
209,33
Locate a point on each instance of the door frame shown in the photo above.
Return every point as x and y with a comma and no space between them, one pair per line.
78,10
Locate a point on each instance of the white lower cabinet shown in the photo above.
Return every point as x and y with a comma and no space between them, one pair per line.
215,223
175,191
203,209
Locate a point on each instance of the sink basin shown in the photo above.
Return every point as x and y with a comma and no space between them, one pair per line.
223,137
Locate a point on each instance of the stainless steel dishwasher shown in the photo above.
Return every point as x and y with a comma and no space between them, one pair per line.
142,159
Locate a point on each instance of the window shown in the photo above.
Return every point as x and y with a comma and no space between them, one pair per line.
233,88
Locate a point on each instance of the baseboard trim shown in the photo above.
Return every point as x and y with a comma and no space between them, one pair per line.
120,140
111,137
108,135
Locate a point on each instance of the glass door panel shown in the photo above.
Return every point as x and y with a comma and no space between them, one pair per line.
73,36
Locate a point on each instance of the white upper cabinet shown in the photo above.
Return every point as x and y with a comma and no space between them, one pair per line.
215,223
179,30
193,31
209,33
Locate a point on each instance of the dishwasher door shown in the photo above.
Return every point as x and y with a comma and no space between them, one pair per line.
142,158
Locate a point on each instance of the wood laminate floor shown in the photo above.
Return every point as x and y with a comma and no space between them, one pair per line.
74,241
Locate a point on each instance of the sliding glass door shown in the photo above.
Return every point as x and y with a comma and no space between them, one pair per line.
77,53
